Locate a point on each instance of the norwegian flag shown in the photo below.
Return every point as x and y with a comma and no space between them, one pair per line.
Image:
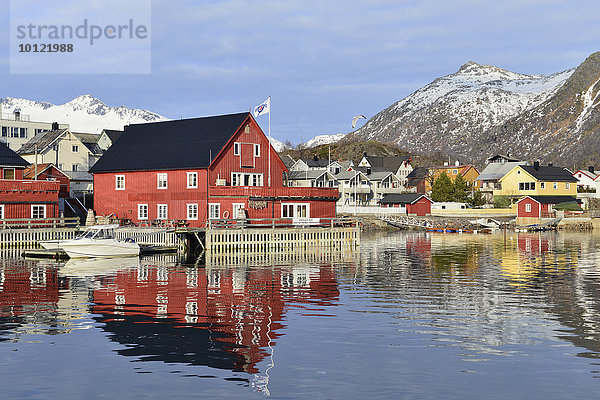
263,108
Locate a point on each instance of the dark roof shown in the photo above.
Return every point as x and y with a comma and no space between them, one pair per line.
89,140
315,162
502,157
547,173
8,158
554,199
112,134
288,160
41,140
380,164
416,176
185,143
404,198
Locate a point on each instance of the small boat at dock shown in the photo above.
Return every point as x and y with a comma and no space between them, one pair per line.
95,241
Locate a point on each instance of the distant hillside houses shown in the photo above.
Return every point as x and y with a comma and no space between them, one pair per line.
363,184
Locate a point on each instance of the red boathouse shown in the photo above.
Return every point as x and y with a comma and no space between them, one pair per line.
415,203
199,169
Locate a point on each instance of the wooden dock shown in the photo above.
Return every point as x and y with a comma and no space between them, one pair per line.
277,235
218,238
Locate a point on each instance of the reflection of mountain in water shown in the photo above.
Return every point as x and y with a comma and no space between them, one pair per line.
222,318
482,293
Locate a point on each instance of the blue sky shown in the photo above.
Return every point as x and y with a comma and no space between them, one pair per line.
322,62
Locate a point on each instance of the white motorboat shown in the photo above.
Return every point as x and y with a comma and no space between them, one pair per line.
95,241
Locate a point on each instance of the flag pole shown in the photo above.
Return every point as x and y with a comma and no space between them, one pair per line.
269,179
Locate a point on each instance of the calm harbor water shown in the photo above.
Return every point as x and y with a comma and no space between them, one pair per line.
411,315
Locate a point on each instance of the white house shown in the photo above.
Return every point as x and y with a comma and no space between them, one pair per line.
398,165
587,178
73,153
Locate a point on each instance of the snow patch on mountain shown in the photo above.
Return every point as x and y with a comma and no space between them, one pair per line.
278,145
324,139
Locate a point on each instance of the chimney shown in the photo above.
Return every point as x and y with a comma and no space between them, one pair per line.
55,126
549,164
316,158
536,165
365,154
592,169
445,163
456,163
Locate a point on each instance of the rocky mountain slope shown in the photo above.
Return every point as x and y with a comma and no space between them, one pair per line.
482,109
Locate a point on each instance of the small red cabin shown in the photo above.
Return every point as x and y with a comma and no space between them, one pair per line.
531,209
220,167
48,172
415,203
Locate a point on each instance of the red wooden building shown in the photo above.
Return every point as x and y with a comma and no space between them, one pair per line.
48,172
415,203
530,209
201,168
24,198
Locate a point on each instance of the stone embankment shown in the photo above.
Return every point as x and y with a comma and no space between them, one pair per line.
372,223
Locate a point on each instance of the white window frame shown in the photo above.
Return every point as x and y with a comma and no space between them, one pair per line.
1,211
42,214
235,207
214,210
75,148
238,179
296,208
237,147
542,185
14,173
192,211
192,174
142,212
567,185
75,167
256,150
162,181
119,182
528,208
555,185
162,211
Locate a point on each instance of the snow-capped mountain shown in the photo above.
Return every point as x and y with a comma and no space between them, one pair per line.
88,114
456,114
323,139
83,114
278,145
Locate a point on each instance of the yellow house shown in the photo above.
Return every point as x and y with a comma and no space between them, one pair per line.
529,180
468,172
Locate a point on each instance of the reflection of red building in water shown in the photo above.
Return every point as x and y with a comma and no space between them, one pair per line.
419,246
532,243
28,291
221,318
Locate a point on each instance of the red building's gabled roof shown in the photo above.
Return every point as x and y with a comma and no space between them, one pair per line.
29,172
177,144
